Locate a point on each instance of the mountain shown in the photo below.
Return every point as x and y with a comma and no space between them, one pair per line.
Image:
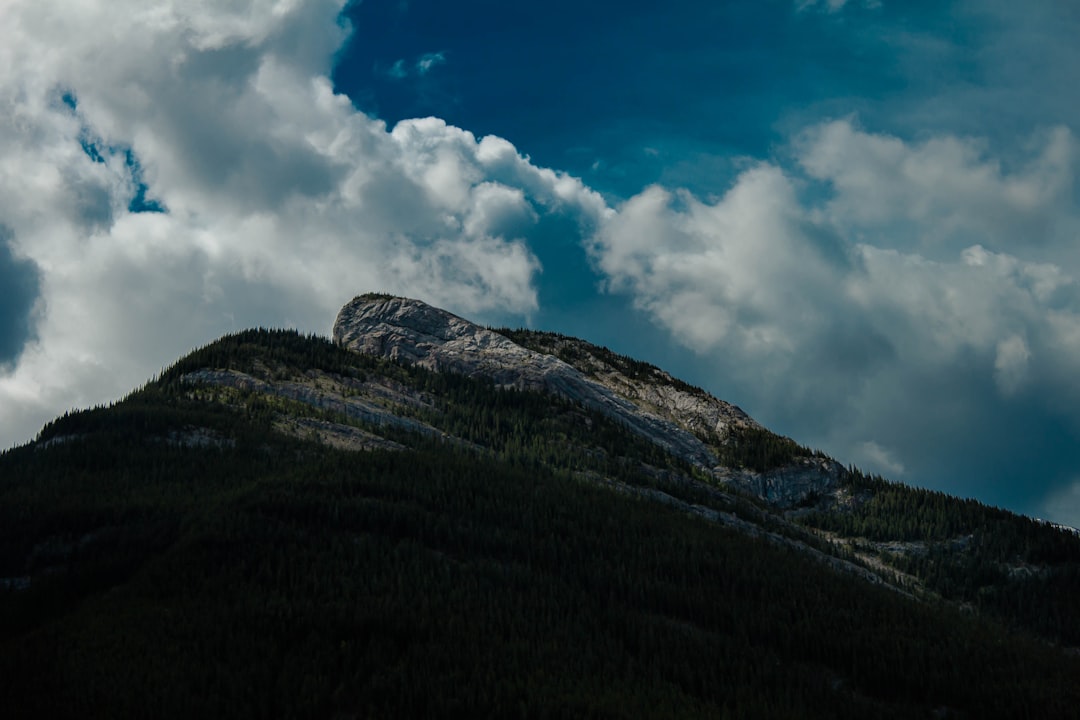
425,517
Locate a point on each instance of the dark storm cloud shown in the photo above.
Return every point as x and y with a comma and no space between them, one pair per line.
19,287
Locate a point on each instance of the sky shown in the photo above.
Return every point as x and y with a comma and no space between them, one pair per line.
858,220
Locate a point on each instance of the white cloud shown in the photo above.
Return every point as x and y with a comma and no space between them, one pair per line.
427,61
897,288
1011,364
720,272
944,193
282,200
875,458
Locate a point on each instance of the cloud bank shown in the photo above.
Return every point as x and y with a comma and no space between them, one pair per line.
279,199
894,294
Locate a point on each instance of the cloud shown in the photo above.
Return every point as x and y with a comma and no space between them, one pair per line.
919,291
1011,364
418,68
427,61
20,281
280,200
944,193
740,271
1063,505
875,458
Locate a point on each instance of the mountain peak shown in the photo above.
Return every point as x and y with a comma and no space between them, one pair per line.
414,332
683,420
232,467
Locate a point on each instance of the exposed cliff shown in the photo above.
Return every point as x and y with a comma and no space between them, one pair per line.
806,481
647,386
414,332
685,420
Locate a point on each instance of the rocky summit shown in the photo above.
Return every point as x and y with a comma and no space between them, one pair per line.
413,332
682,419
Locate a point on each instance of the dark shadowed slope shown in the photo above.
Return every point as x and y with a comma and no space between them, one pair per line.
283,527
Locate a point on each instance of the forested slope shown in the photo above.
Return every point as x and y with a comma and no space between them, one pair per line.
186,552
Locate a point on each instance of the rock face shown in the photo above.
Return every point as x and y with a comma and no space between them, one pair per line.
414,332
682,419
805,481
647,386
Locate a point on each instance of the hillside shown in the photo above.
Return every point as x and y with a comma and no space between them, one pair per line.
429,518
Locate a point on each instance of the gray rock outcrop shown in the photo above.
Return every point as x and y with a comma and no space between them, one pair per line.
647,386
414,332
805,481
697,411
686,421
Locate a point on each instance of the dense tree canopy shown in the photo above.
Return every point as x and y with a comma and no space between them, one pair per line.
174,556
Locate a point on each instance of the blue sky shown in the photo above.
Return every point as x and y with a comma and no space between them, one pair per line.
621,96
857,220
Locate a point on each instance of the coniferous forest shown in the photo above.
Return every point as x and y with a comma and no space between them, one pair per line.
177,554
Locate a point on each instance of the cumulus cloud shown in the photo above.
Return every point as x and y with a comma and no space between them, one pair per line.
1011,363
734,258
945,193
280,200
19,280
876,287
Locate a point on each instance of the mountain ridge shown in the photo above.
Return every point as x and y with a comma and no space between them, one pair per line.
688,421
445,518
